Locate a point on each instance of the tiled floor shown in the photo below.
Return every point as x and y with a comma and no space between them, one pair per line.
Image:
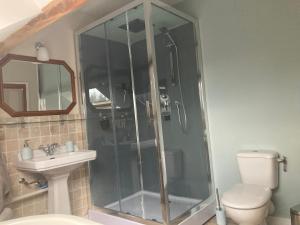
213,222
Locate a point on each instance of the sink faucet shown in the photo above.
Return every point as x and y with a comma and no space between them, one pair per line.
49,149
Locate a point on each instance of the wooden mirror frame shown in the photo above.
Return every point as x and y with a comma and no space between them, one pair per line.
11,111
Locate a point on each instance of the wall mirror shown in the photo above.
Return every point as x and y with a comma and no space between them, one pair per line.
29,87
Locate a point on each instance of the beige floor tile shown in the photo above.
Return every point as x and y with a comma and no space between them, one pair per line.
213,222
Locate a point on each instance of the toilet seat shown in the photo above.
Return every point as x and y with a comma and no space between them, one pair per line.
246,196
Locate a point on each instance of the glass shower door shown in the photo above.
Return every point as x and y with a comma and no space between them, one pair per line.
124,113
101,134
125,175
183,127
149,174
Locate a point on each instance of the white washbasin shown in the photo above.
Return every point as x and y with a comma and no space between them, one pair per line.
50,219
56,168
66,161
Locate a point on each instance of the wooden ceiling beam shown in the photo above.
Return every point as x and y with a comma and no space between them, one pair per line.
52,12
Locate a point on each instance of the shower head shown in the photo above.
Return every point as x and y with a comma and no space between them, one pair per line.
169,40
134,26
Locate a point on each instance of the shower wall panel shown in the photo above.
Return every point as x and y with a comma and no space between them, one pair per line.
195,169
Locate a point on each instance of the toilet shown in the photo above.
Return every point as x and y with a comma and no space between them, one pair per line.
249,203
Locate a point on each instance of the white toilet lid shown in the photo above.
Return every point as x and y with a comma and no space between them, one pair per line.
246,196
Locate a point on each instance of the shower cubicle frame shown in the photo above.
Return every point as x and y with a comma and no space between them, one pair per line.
205,209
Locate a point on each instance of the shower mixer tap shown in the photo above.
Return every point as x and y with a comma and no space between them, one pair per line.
165,101
165,106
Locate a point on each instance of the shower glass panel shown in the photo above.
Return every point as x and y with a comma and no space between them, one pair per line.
125,176
123,111
100,116
149,198
134,96
186,151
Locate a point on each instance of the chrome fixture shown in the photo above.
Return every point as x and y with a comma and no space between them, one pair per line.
171,44
165,102
49,149
42,53
283,160
38,182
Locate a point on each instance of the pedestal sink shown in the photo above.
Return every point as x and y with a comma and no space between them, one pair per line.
56,168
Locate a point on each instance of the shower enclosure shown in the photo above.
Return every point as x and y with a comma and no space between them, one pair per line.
141,89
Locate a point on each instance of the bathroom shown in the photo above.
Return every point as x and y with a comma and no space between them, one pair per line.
160,97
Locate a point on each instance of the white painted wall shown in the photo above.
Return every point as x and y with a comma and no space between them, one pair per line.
251,57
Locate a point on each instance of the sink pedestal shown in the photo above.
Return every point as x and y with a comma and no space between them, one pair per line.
57,168
58,194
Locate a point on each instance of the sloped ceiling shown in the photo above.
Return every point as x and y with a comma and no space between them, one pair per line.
97,7
15,13
19,19
22,19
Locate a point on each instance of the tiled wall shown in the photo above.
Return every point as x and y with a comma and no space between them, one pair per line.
42,132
